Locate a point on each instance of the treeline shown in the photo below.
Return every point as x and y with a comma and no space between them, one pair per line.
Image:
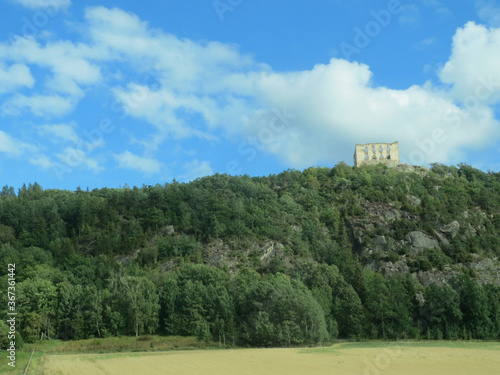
313,305
73,283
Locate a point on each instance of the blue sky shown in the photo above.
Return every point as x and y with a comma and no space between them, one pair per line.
96,94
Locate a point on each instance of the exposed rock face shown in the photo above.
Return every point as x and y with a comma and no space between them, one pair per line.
128,258
434,276
268,250
392,269
376,215
419,241
482,265
485,270
420,170
376,250
221,254
450,229
380,242
441,238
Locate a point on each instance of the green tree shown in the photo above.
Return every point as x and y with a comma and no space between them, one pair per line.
441,316
39,296
474,306
283,312
139,302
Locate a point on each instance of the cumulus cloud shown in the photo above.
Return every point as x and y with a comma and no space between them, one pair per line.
70,63
184,64
170,112
42,161
15,77
129,160
38,105
335,104
62,132
473,68
211,90
12,146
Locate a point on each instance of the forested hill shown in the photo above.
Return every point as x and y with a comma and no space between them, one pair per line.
291,259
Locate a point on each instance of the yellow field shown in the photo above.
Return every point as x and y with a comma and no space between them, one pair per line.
348,359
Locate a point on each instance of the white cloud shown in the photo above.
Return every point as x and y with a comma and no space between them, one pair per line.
129,160
208,79
195,169
181,79
170,112
211,90
42,161
74,157
15,77
40,4
39,105
69,63
63,132
473,68
337,106
12,146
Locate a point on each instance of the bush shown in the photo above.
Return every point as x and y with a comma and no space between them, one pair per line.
402,227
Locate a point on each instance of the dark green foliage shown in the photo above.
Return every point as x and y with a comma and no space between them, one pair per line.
429,259
280,311
441,315
402,227
195,301
134,260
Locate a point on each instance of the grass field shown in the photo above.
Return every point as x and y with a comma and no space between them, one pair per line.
23,355
374,358
124,344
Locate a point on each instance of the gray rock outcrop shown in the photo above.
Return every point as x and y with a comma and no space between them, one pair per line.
418,241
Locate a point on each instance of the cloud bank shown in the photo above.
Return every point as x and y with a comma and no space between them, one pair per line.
185,89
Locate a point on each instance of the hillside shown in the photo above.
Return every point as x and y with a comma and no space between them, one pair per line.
290,259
